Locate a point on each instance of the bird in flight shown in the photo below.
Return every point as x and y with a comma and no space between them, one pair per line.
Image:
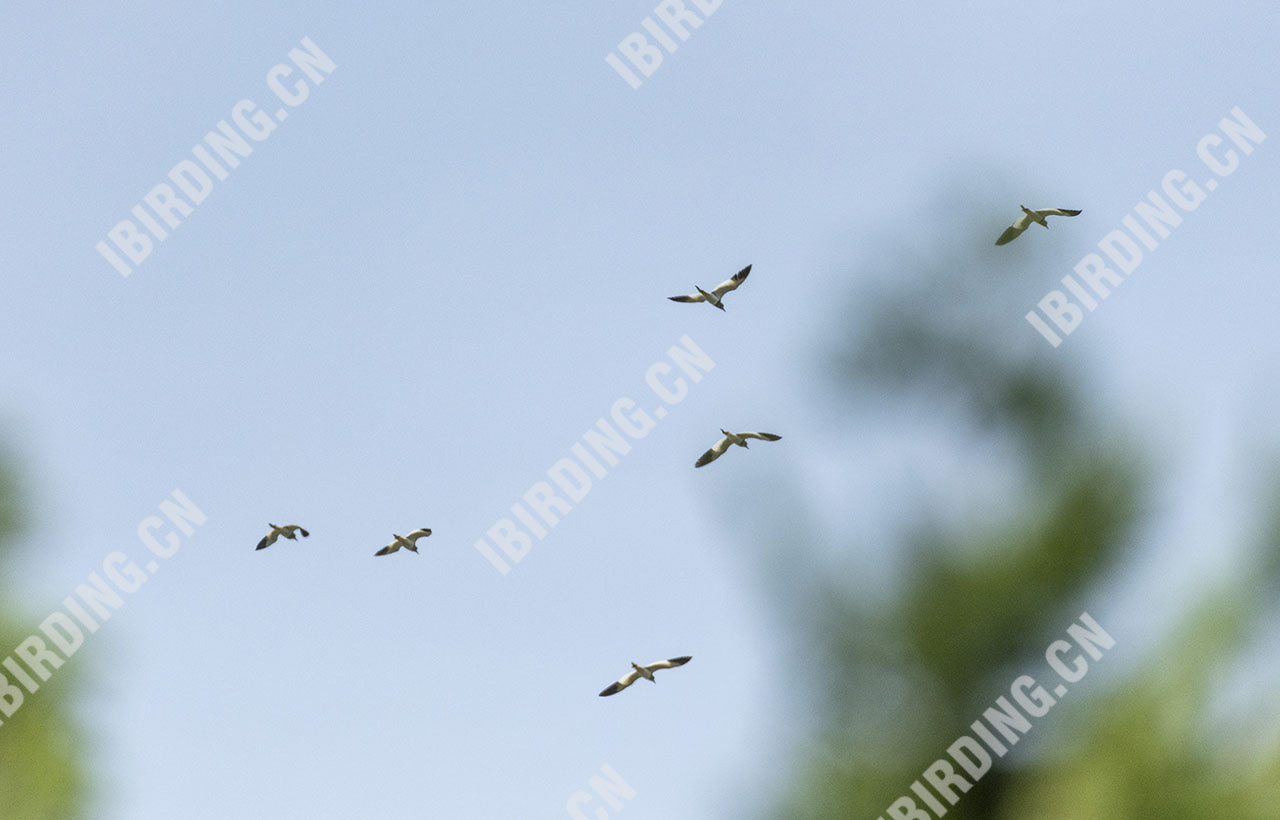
1028,216
637,672
287,531
409,542
739,439
716,295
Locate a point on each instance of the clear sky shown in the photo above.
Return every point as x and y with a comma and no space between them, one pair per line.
422,288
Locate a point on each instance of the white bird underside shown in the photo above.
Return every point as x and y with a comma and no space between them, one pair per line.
286,531
1023,222
719,290
635,674
720,446
409,542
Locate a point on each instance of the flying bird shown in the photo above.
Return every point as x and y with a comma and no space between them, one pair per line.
409,542
1028,216
716,295
739,439
637,672
278,532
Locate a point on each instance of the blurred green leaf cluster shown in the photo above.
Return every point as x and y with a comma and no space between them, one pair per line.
42,776
936,343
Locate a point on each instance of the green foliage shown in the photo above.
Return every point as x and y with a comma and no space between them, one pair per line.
903,673
42,775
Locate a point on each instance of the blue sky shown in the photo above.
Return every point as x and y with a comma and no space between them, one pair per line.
452,259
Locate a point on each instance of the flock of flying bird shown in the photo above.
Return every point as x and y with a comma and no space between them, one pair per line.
292,531
715,298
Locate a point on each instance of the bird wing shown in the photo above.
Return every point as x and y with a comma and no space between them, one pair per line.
761,436
693,297
388,549
1015,230
302,532
1057,212
669,664
715,452
620,684
416,534
266,541
732,282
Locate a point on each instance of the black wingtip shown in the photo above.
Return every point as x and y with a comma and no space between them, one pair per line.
261,545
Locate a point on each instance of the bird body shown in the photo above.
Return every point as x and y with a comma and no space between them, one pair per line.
1028,216
718,449
408,542
290,531
637,672
715,297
